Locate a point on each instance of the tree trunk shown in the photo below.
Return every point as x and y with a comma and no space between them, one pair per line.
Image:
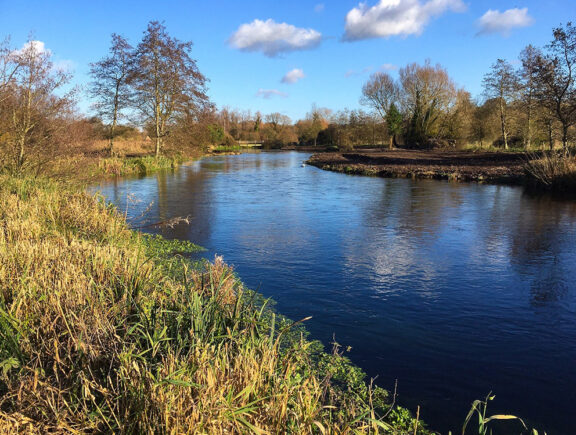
26,125
111,143
503,123
157,108
21,153
529,132
111,152
565,136
392,140
158,138
114,121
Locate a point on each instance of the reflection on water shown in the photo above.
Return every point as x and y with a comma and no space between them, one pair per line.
453,289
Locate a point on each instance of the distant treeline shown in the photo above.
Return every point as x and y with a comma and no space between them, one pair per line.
155,95
533,105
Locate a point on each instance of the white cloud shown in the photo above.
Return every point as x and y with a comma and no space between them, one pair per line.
395,17
388,67
503,22
319,7
269,93
272,38
293,76
36,47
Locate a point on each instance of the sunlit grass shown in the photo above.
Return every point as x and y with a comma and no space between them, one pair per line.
105,330
87,169
136,165
226,148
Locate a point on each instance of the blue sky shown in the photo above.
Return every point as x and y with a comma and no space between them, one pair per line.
331,47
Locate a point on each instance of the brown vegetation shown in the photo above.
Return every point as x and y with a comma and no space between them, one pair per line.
552,171
486,167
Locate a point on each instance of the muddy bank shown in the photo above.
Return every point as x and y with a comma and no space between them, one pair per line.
485,167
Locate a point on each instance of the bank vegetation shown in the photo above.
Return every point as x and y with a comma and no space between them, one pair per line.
106,330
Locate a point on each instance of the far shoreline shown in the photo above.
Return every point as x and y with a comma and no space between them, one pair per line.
480,167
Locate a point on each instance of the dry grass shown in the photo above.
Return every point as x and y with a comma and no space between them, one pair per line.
122,147
553,171
104,330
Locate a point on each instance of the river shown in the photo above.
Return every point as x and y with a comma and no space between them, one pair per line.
453,289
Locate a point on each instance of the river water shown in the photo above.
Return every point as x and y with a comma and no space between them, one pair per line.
453,289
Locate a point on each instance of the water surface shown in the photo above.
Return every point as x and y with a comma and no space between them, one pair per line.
454,289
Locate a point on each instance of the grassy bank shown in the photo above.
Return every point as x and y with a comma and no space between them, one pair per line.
119,166
103,329
224,149
88,168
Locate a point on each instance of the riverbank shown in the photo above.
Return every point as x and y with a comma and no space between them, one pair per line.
104,329
485,167
88,168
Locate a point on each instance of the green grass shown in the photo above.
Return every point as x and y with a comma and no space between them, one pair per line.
135,165
227,148
103,329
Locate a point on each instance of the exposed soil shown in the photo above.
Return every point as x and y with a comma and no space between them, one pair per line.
487,167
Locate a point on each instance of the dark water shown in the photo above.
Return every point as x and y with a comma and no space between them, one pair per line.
455,290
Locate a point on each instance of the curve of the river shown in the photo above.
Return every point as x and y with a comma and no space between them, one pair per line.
454,289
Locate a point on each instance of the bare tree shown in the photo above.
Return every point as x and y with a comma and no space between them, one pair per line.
277,121
528,79
501,84
428,93
167,81
110,86
379,92
35,108
338,129
8,69
316,122
458,124
485,127
556,76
